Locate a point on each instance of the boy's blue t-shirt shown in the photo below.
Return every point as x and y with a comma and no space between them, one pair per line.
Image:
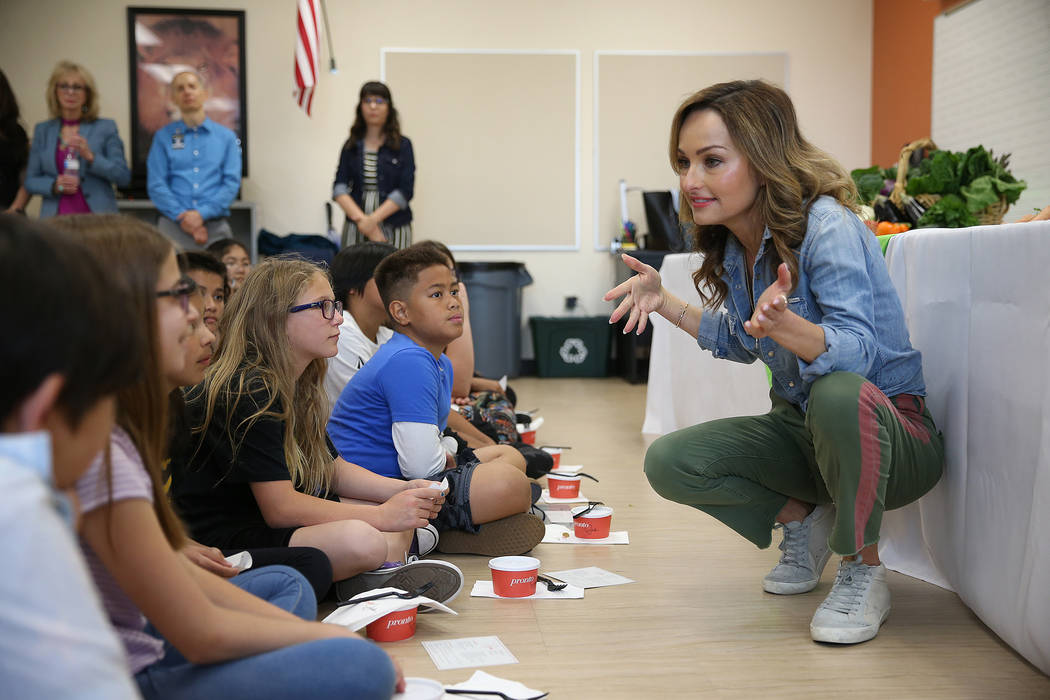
401,383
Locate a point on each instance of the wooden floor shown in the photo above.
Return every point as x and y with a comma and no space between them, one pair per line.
697,623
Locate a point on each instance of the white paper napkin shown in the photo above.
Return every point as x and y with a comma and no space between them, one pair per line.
240,560
546,497
357,616
468,652
484,681
560,534
483,589
590,577
534,425
557,515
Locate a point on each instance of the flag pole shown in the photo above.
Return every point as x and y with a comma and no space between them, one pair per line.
328,35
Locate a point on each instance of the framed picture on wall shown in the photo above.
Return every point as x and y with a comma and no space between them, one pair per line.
161,43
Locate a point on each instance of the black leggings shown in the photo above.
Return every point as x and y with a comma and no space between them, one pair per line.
310,562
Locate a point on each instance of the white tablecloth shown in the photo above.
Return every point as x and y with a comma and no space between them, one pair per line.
977,302
687,385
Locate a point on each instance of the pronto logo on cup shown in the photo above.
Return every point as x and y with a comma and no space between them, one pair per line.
563,486
514,577
593,525
393,627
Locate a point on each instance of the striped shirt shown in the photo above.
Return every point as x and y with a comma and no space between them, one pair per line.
128,480
399,236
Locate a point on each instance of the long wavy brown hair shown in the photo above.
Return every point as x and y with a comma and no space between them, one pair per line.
253,362
392,127
761,121
134,252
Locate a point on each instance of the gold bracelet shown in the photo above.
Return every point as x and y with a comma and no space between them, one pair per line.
678,323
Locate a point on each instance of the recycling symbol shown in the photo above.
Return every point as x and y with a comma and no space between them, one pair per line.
573,351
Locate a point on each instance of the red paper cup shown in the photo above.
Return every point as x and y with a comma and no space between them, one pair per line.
528,437
593,526
514,577
393,627
563,486
555,453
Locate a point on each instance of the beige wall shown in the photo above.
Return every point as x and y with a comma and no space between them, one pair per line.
293,158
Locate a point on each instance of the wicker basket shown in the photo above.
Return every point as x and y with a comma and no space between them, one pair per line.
990,215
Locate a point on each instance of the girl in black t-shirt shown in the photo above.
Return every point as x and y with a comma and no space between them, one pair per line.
263,473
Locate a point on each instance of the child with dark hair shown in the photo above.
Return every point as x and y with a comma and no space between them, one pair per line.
231,253
60,366
212,282
391,415
364,326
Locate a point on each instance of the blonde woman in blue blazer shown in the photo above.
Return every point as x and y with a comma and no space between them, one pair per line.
75,133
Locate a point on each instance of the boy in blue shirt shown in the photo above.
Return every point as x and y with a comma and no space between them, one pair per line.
391,415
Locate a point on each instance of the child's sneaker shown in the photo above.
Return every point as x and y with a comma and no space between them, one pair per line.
446,577
424,541
515,534
856,606
805,553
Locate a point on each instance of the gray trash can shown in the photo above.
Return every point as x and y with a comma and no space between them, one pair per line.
494,289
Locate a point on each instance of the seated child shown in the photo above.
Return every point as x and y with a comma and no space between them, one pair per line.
310,562
391,415
211,279
60,365
253,636
261,472
235,257
364,326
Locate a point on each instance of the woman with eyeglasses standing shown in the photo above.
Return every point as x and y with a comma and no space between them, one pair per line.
261,471
76,157
377,172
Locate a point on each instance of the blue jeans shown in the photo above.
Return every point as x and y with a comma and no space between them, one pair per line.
326,668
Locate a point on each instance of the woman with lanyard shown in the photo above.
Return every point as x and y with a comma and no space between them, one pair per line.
805,290
376,174
76,158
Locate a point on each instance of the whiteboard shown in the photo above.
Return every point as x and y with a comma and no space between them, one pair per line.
991,86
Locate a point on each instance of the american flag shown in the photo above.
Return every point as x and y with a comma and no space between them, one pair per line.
307,48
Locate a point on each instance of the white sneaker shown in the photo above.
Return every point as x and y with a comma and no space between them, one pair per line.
426,540
805,553
856,607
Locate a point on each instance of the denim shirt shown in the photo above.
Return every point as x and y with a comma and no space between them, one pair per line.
194,168
844,287
395,177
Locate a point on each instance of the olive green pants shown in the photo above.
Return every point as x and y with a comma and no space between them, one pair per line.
853,447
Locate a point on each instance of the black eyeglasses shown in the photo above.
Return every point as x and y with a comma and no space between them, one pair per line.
183,290
328,307
70,87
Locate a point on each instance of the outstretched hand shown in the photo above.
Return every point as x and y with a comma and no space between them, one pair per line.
642,294
771,308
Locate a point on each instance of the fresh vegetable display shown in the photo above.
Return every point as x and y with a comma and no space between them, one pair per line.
945,189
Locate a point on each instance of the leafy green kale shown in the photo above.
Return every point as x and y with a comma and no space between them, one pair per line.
869,181
938,174
949,212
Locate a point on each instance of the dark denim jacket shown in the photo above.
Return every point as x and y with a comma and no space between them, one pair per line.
396,177
844,287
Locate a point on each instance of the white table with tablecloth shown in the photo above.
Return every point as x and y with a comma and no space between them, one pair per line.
977,303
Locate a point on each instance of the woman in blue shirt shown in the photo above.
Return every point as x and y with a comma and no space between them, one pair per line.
377,173
792,277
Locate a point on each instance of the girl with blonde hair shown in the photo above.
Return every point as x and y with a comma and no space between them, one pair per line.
806,291
206,637
264,473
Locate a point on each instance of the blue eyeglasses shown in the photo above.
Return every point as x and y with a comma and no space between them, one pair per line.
328,307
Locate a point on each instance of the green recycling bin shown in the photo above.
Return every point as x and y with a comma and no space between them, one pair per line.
574,346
